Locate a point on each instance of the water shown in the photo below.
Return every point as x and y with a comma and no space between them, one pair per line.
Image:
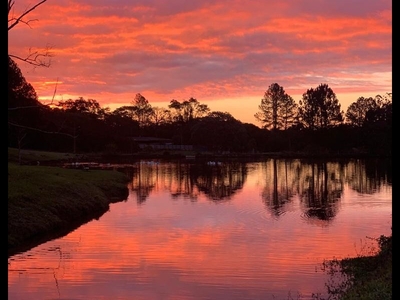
216,230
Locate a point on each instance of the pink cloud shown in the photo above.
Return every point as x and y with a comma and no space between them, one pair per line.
210,50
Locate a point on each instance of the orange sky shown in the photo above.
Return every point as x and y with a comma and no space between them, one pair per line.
223,53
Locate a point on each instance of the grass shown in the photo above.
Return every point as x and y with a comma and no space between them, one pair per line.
44,200
365,277
28,156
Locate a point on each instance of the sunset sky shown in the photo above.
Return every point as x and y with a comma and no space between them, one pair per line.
223,53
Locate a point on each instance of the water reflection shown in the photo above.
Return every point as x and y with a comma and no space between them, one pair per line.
318,184
321,190
280,184
366,177
217,180
222,230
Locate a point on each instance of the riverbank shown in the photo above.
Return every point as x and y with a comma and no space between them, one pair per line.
47,202
34,157
368,277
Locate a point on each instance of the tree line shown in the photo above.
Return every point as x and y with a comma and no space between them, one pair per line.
315,125
319,108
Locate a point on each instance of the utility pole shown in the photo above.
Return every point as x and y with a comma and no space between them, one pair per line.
74,137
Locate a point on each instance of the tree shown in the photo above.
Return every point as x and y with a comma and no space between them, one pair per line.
319,108
160,116
357,111
142,110
21,96
381,115
20,92
277,109
35,58
377,127
125,111
81,105
121,122
289,113
188,110
24,108
220,131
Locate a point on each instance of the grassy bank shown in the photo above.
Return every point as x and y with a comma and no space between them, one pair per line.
31,157
367,277
44,202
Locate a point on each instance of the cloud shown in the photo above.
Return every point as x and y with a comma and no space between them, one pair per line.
207,49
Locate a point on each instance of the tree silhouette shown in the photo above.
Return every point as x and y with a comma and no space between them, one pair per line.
381,115
188,110
277,109
160,116
320,109
21,96
219,131
81,105
142,110
357,111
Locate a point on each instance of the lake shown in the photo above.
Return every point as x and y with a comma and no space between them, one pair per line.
216,230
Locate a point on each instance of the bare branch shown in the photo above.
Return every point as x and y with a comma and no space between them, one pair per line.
36,58
14,21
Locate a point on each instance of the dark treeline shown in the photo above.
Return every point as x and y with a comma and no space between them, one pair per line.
315,125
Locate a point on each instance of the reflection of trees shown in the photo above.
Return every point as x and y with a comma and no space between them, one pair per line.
219,181
318,184
152,175
280,184
321,186
176,179
143,180
367,176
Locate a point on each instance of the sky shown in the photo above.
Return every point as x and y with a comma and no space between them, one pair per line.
223,53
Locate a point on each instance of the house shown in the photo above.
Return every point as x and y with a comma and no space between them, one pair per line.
159,143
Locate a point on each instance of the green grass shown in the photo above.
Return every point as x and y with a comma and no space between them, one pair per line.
45,199
366,277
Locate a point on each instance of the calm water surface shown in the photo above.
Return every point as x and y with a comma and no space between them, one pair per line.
229,230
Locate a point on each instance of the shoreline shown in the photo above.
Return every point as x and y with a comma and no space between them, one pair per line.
47,202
